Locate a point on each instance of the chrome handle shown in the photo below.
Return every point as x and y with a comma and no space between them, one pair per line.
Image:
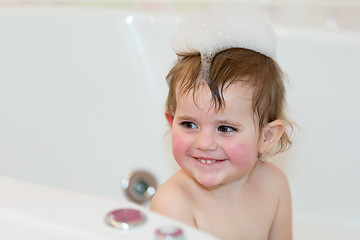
139,186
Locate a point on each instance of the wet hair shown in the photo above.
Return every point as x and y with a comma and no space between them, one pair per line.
259,72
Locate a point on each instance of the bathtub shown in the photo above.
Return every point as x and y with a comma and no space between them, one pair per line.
82,92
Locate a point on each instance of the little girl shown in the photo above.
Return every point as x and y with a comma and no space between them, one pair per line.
226,110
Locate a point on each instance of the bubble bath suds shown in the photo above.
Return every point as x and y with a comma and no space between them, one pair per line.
212,31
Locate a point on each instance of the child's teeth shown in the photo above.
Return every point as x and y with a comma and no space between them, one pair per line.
207,161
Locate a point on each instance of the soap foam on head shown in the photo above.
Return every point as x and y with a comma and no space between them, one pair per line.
212,31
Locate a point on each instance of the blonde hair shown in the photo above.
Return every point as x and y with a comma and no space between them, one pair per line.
258,71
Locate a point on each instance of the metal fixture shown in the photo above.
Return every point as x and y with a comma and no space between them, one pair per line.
169,233
125,218
139,186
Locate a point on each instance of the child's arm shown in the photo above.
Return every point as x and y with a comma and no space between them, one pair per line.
281,228
170,200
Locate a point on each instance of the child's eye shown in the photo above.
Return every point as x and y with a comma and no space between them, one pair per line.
226,129
189,125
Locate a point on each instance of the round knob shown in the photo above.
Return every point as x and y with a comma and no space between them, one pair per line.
169,233
139,186
125,218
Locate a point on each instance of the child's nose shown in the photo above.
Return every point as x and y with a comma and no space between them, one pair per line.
205,141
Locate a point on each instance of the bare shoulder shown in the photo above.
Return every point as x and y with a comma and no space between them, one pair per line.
272,176
172,199
276,182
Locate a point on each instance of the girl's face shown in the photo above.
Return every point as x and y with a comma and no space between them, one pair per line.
215,147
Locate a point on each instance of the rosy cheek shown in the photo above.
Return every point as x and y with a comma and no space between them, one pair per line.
179,145
242,155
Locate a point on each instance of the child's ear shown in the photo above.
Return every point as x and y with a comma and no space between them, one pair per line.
169,119
271,135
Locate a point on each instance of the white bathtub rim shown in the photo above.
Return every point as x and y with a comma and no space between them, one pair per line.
14,221
73,213
33,204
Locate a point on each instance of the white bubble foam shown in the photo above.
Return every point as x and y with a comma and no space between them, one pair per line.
211,31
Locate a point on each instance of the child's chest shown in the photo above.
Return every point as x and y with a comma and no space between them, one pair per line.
236,220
